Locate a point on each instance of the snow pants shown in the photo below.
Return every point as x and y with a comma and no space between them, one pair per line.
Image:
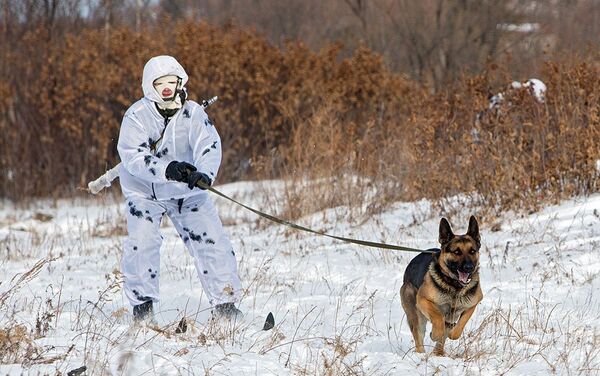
199,226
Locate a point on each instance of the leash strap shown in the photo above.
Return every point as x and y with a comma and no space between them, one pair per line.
306,229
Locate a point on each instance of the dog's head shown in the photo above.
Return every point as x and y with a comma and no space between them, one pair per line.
459,256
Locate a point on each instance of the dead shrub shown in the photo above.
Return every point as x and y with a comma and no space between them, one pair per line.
515,157
16,345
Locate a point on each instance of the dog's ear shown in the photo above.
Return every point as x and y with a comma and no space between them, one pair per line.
473,231
446,233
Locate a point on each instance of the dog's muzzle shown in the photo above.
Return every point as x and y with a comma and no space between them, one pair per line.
463,272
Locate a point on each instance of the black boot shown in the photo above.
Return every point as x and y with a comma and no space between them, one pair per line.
142,311
226,310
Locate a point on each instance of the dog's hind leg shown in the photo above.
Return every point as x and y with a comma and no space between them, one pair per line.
416,320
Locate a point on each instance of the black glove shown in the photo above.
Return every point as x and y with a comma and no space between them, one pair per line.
179,171
195,177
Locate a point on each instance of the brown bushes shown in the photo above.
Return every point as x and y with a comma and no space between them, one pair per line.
300,115
519,155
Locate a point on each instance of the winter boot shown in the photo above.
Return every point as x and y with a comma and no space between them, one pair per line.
227,311
143,312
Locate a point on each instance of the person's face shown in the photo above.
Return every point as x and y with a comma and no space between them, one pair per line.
166,86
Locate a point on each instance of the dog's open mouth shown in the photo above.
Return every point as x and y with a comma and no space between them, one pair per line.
463,277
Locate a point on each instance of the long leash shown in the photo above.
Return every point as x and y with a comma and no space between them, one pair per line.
105,181
306,229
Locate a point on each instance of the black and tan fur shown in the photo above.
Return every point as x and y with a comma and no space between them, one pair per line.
443,287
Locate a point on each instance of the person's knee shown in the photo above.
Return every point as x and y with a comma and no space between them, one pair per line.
144,245
144,235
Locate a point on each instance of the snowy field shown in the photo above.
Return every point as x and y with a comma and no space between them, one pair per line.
336,306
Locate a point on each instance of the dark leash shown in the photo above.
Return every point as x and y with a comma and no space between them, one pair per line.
270,217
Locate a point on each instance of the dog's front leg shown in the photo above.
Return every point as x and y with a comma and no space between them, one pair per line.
456,332
438,331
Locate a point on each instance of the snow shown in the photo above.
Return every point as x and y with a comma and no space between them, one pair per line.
336,306
519,28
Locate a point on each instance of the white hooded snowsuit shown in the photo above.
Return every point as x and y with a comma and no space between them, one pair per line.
187,136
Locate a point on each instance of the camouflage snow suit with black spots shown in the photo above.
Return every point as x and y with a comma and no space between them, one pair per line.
187,136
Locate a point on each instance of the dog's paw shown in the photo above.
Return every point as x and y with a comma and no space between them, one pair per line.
439,350
436,336
454,333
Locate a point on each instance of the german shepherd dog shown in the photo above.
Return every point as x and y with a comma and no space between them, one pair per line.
443,287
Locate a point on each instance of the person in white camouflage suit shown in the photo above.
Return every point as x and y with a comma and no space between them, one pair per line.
167,145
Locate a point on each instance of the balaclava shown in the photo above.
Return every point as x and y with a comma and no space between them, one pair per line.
163,82
172,94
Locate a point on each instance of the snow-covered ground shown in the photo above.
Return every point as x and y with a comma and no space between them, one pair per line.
336,306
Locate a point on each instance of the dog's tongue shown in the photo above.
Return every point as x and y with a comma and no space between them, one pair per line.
463,277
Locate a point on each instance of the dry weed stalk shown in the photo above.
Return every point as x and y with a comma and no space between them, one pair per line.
24,278
17,343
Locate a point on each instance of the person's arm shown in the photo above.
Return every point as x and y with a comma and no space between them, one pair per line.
136,155
206,146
